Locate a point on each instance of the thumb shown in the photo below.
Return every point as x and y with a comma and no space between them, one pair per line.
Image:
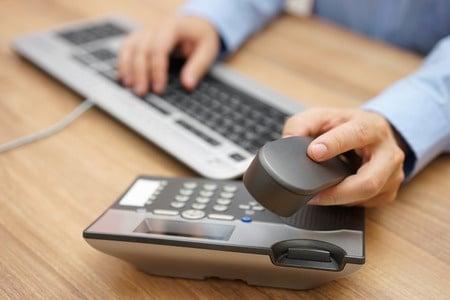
318,151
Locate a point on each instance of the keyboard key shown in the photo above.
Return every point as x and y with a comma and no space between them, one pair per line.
156,106
198,133
104,54
92,33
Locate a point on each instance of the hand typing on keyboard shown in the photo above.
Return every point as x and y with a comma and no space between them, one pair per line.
144,58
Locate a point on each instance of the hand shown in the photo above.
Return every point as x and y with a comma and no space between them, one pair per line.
144,57
367,133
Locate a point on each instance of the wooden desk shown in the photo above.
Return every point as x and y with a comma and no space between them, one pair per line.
51,190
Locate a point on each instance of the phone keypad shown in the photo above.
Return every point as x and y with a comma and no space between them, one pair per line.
197,199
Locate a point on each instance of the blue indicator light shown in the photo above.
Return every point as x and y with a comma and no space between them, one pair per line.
246,219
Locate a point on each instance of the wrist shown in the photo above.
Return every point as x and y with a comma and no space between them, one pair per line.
410,157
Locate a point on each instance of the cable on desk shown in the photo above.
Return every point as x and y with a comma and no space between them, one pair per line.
77,112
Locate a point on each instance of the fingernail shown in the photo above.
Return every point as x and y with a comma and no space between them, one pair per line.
190,81
137,92
139,89
157,87
319,151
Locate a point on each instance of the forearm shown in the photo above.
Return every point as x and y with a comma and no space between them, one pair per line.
234,20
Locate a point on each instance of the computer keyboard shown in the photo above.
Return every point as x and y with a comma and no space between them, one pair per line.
236,116
216,129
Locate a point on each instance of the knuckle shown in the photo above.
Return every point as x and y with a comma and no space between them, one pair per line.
337,142
143,50
290,124
397,161
361,133
399,178
158,62
291,120
382,127
130,40
371,187
318,110
157,49
399,157
390,197
140,66
315,109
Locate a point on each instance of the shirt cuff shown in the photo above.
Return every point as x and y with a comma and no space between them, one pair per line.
234,21
421,122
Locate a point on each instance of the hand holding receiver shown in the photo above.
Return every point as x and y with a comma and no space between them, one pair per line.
283,178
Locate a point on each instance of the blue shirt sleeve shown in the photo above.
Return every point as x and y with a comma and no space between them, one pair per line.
418,107
234,20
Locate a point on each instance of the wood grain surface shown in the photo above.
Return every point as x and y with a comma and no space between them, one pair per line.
52,189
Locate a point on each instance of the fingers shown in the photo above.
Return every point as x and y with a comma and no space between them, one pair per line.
165,41
370,136
301,124
200,54
144,57
375,183
198,63
314,121
386,195
133,63
354,134
338,137
337,130
140,65
125,59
